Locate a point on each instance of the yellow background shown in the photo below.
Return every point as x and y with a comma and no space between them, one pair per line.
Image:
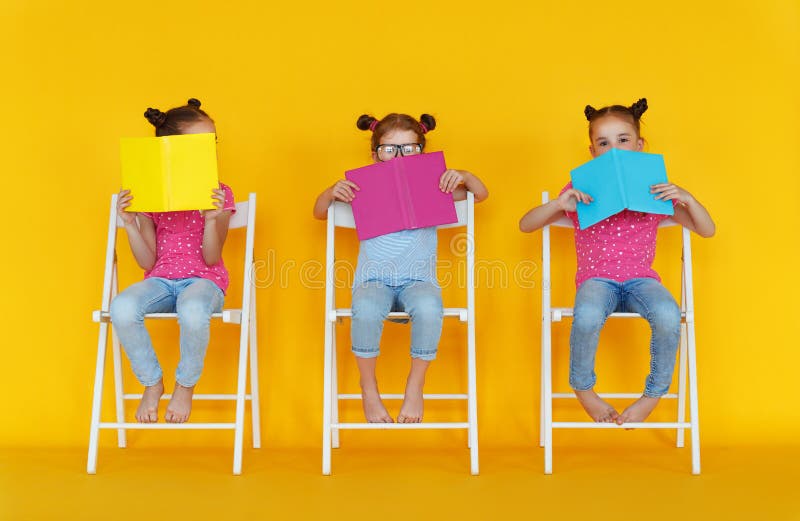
507,83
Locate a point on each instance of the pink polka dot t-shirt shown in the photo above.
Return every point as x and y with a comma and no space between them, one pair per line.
179,242
621,247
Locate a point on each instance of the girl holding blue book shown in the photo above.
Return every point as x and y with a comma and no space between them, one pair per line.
397,271
615,271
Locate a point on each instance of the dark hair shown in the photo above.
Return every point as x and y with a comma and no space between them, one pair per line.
634,112
396,121
171,122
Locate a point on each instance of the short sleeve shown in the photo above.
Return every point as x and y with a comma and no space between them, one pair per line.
573,216
230,203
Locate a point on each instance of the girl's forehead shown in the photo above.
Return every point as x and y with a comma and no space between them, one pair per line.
612,125
201,126
399,137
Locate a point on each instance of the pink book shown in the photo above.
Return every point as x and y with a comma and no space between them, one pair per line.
401,194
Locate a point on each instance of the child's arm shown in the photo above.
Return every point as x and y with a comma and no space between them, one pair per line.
215,229
342,190
688,212
553,210
459,182
140,230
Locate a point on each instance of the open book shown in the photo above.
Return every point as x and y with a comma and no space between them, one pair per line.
619,180
170,173
401,194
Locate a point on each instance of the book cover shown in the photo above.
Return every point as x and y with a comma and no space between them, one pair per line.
401,194
619,180
170,173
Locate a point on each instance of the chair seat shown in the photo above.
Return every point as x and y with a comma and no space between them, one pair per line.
461,313
559,313
228,316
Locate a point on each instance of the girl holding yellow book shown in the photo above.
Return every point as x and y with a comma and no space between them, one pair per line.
181,253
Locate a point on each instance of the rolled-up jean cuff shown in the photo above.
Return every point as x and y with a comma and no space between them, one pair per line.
155,381
654,395
365,353
426,355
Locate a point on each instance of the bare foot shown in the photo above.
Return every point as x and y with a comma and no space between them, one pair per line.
180,405
638,411
413,403
596,407
148,407
374,410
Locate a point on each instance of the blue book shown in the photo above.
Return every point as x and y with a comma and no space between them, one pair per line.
619,180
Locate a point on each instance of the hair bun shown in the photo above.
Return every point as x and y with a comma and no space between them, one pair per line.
427,122
589,111
155,117
194,102
639,108
366,122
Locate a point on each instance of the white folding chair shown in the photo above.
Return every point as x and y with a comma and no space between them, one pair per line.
244,316
341,215
687,359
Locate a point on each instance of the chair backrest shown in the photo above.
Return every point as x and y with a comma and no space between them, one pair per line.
238,220
244,217
687,299
340,215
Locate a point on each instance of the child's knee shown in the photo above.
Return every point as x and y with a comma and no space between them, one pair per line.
194,314
588,319
124,310
665,316
427,308
366,311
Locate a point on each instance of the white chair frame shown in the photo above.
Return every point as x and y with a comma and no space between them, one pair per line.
687,358
341,215
244,316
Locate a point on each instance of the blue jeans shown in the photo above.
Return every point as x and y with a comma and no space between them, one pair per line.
596,299
193,299
372,302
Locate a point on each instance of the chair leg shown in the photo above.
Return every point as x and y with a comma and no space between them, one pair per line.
541,394
472,404
334,391
238,440
327,399
97,398
118,389
255,404
547,384
693,406
682,387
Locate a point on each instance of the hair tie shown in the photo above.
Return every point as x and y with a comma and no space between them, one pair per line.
373,125
423,127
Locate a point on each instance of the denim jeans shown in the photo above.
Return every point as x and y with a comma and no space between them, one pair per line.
372,302
596,299
193,299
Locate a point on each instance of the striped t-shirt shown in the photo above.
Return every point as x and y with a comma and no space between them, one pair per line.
398,258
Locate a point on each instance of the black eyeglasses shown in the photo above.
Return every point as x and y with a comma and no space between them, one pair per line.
388,151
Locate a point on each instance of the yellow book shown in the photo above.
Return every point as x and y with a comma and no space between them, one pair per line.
170,173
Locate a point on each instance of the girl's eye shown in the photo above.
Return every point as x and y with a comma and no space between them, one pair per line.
624,140
603,143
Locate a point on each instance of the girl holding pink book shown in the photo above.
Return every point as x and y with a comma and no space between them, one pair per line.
397,271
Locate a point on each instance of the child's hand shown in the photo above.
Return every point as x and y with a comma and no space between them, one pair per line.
568,201
671,192
450,180
124,199
219,201
343,190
